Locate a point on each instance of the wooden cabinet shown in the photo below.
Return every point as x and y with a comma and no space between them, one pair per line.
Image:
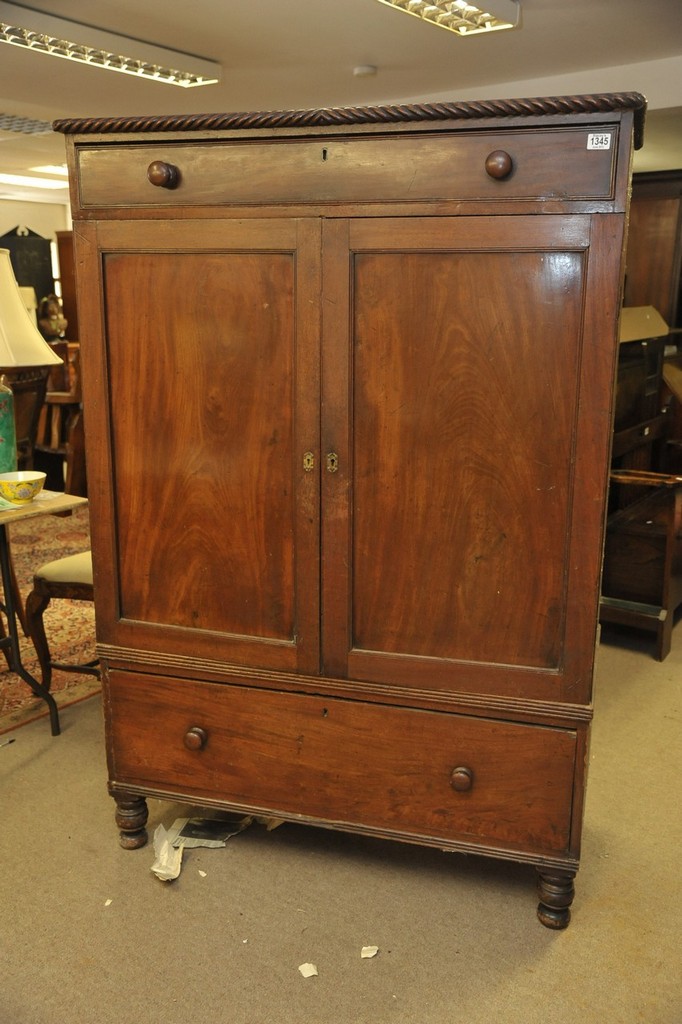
642,573
67,279
654,252
349,385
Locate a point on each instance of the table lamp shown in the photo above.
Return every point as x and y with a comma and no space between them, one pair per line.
21,344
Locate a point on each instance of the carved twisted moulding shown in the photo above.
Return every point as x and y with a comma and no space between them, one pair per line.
339,116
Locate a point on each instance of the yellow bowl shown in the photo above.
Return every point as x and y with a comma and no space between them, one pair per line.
22,487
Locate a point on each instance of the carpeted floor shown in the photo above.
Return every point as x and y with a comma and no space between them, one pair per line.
69,625
88,935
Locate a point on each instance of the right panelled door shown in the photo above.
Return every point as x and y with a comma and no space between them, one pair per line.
465,428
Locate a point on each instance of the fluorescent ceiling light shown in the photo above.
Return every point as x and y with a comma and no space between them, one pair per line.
71,40
461,17
27,180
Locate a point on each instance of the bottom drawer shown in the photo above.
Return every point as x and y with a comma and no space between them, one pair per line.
413,773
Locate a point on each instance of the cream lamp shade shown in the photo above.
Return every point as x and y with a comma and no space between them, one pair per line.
21,343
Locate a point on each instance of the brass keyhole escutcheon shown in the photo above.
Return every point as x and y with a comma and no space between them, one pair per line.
332,462
308,462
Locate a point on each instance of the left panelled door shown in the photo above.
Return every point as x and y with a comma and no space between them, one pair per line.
207,362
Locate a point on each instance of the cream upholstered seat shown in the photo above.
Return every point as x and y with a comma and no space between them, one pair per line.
69,577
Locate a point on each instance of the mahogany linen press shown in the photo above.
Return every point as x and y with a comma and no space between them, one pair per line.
348,383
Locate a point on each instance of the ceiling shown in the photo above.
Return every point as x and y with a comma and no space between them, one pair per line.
303,53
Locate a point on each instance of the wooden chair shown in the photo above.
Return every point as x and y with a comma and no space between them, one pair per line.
69,577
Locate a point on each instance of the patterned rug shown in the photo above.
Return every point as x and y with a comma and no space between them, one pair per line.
69,625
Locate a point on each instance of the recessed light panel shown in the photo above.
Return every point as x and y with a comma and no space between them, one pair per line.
85,44
458,16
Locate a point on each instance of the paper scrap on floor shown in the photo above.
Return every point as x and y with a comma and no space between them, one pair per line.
190,833
209,832
308,970
168,863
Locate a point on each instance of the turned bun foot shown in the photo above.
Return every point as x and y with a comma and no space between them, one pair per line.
131,818
556,894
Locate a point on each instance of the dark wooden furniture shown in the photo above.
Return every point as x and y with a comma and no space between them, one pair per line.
31,258
642,575
654,263
28,384
654,251
642,582
351,577
67,280
64,578
60,438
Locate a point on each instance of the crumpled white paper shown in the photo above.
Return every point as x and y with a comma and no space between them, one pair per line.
168,863
189,833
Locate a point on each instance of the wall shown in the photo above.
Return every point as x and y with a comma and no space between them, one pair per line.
43,218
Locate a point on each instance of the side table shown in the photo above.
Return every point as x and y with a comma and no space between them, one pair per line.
47,503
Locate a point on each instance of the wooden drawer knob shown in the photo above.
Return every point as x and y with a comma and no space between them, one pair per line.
195,738
163,175
462,779
498,164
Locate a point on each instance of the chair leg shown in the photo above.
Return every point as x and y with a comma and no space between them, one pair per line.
36,603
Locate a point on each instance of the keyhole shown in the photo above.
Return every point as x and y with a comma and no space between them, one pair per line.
324,154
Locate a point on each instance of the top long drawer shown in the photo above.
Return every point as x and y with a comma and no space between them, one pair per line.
561,164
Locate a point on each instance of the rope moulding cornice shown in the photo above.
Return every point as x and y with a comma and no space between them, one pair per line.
395,114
